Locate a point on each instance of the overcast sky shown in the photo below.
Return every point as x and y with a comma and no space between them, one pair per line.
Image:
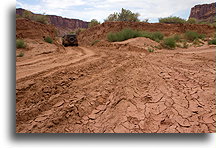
100,9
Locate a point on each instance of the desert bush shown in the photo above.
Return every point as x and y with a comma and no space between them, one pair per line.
172,20
192,21
176,37
150,50
21,54
123,35
95,42
20,43
124,15
27,14
213,41
129,33
18,16
169,43
41,18
48,39
192,35
35,17
93,23
156,36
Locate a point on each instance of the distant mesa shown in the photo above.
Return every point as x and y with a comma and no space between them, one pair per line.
64,25
205,12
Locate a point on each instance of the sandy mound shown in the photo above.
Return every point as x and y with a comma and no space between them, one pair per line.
134,44
139,42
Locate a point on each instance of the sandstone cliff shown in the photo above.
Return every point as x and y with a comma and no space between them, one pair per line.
205,12
63,25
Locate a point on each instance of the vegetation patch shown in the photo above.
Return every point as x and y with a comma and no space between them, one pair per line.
95,42
172,20
48,39
169,43
192,35
93,23
156,36
150,50
211,42
177,37
192,21
21,54
34,17
20,43
126,34
124,15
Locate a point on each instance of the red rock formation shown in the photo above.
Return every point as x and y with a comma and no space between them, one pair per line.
205,12
64,25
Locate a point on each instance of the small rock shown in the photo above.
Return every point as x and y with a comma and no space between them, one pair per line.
60,103
92,116
40,119
101,107
49,112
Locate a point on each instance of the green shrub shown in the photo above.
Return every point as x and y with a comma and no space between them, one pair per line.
48,39
93,23
192,35
129,33
20,43
21,54
95,42
28,14
18,16
146,34
169,43
156,36
124,34
35,17
172,20
150,50
213,41
176,37
192,21
41,18
124,15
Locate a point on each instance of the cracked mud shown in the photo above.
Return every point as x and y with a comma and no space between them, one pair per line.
106,90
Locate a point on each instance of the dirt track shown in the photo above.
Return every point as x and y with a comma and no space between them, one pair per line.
97,90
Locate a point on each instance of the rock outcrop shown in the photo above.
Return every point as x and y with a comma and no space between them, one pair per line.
63,25
205,12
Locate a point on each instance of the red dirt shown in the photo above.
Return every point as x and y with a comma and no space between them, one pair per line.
99,32
29,29
115,89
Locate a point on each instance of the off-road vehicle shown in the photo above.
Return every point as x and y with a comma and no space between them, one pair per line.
69,40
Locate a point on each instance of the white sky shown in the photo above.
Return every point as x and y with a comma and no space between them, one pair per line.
100,9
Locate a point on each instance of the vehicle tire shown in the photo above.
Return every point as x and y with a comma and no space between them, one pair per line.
71,39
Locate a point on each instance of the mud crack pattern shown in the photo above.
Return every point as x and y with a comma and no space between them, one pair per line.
109,91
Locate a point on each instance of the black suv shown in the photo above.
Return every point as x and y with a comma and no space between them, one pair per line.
69,40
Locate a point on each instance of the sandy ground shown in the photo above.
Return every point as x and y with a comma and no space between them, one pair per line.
106,90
